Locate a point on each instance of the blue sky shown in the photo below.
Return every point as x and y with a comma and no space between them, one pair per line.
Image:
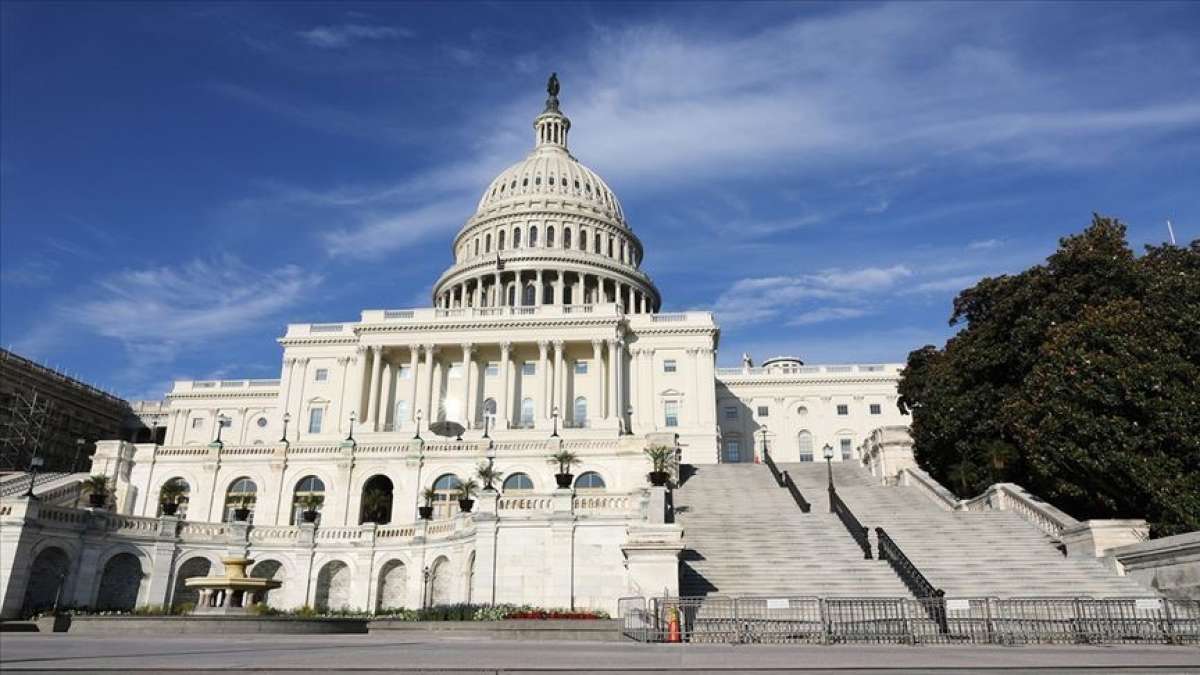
178,182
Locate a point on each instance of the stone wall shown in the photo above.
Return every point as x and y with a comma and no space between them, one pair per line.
1170,565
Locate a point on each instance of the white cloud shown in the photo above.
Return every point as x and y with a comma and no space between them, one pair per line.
984,244
381,235
824,314
155,312
955,283
758,299
339,37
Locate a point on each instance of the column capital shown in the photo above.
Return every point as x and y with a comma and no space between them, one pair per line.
468,347
360,350
558,345
343,360
430,348
303,361
505,347
543,347
597,344
289,361
377,349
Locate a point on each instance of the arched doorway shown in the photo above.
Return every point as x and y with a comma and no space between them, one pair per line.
242,493
182,494
193,567
376,504
333,587
309,492
445,501
47,576
393,586
120,583
268,569
439,582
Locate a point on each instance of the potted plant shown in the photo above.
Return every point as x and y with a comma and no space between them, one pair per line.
565,459
426,512
242,513
96,488
377,506
466,490
310,503
660,463
489,475
168,497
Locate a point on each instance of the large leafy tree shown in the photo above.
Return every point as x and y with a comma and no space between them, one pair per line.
1078,378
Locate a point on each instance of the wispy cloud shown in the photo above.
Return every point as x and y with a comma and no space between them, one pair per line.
824,314
753,300
342,36
984,244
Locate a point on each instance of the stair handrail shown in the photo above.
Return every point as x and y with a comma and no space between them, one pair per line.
934,598
1012,497
784,480
856,529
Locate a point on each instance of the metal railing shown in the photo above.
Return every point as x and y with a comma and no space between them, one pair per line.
856,529
784,480
918,584
973,620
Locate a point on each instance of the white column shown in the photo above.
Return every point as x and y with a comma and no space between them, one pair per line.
414,362
613,365
468,416
340,402
559,381
694,395
543,364
428,404
537,296
503,414
360,376
635,399
577,290
299,414
596,407
499,292
285,382
387,390
477,294
620,290
558,288
373,392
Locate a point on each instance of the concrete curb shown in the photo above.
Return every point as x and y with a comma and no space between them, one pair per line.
193,625
590,630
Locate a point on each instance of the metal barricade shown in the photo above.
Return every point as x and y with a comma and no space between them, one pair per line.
950,620
1123,620
635,620
877,620
780,620
1037,620
1183,621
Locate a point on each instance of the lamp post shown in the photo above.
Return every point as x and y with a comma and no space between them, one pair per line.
487,419
417,436
425,588
350,436
287,417
491,458
221,422
554,416
79,443
629,420
764,440
827,451
35,463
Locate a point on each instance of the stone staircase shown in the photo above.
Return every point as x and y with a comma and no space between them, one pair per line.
743,535
966,554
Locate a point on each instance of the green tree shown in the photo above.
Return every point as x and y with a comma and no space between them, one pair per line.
1078,378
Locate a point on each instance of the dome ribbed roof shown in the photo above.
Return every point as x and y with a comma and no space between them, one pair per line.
551,171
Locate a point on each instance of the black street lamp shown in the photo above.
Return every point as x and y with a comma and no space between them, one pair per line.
417,436
350,436
764,439
425,588
287,417
828,453
79,443
486,422
35,463
554,416
629,420
491,458
221,422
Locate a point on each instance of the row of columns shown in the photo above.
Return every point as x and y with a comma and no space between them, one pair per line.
606,400
492,290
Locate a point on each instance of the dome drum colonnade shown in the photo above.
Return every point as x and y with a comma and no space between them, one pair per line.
557,228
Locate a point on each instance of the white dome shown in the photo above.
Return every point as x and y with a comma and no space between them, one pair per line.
551,171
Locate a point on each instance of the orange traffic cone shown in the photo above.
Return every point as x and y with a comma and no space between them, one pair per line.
673,626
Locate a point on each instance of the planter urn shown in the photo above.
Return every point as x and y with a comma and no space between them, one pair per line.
426,512
97,500
308,516
241,515
169,508
465,505
564,480
659,478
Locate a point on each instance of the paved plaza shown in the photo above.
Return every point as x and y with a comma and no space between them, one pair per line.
21,652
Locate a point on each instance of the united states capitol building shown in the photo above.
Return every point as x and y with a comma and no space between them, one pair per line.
544,335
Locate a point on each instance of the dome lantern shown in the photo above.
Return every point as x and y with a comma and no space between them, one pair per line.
552,126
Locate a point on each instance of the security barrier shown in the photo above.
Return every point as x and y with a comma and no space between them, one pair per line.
1007,621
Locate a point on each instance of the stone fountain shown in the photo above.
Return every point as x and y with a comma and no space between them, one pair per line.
233,593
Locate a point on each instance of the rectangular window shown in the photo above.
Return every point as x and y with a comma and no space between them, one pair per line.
671,410
843,409
405,372
314,420
401,413
492,369
733,450
763,411
669,366
876,409
321,374
806,456
731,412
581,367
529,368
197,422
847,449
456,371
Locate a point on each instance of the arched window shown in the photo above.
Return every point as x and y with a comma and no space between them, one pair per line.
477,246
242,494
610,247
376,506
596,244
583,240
550,236
500,241
512,295
566,237
489,412
182,494
533,236
579,416
527,413
589,480
445,501
487,243
517,482
529,295
309,495
517,238
806,446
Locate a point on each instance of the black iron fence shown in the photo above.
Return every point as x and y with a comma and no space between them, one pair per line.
784,480
855,528
1008,621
